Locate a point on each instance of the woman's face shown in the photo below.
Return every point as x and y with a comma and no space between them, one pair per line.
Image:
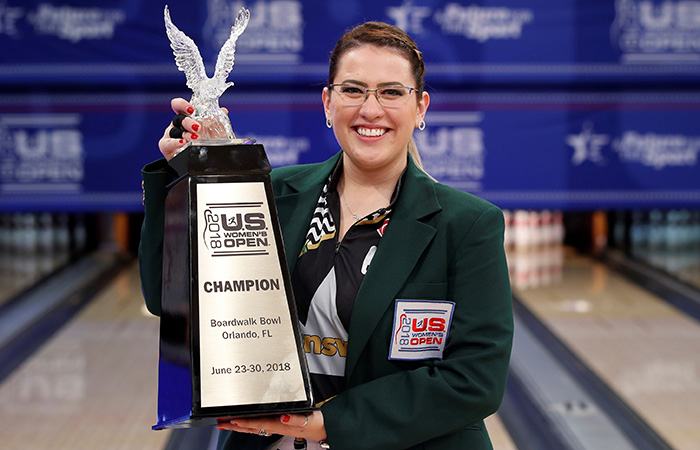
374,138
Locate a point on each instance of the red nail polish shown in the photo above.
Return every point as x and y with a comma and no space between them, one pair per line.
190,110
195,127
286,418
194,136
182,141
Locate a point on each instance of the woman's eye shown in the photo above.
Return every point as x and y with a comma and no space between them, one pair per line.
351,90
392,92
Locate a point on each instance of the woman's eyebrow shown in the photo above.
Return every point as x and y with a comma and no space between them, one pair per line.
363,84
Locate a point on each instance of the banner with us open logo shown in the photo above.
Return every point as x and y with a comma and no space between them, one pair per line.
574,104
540,149
290,40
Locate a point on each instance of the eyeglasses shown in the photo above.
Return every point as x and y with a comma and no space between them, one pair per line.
388,96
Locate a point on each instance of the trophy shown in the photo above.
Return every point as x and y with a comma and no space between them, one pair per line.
206,91
230,343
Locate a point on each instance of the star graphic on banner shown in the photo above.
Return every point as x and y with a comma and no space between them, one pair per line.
587,145
408,17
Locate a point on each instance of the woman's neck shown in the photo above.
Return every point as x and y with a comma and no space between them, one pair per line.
382,180
363,193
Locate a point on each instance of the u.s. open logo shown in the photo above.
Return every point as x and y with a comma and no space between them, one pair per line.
235,229
420,329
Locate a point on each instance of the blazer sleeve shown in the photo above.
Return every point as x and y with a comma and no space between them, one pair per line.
156,177
439,398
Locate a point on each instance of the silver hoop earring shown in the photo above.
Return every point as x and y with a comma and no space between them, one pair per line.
329,123
421,125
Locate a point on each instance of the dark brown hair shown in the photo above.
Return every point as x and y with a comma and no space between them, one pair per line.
380,34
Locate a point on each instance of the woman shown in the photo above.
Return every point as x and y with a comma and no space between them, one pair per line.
391,236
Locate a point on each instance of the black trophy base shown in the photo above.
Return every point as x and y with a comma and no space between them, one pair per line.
222,239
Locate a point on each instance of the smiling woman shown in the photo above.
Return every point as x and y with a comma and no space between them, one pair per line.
381,248
374,137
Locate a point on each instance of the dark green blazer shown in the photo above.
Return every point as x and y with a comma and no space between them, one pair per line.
441,244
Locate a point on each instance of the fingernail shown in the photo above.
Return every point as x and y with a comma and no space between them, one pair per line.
234,424
220,428
286,418
190,109
194,136
195,127
182,141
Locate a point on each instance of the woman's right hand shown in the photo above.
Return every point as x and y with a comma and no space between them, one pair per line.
168,145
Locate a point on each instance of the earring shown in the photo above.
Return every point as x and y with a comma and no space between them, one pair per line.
329,123
421,125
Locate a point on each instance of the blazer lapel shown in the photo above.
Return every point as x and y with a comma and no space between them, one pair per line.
296,205
400,248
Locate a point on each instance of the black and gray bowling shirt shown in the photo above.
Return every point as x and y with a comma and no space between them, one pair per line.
326,279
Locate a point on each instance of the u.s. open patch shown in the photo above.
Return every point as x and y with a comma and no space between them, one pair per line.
420,329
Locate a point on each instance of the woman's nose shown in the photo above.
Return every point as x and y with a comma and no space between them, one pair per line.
371,107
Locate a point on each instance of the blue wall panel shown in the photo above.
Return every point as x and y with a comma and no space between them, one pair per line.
572,104
492,40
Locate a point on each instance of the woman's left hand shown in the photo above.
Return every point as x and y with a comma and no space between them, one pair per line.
295,425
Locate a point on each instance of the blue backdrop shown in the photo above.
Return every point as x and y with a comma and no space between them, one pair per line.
575,104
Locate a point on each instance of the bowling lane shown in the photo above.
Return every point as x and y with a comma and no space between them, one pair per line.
11,284
666,240
683,264
34,245
93,385
500,438
643,348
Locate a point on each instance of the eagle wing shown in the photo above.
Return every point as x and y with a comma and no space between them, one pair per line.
224,62
187,56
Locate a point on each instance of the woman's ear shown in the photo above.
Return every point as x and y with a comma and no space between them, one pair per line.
422,108
326,97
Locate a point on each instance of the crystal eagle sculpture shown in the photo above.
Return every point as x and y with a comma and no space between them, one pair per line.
206,91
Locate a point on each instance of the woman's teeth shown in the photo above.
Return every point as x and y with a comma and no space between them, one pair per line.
371,132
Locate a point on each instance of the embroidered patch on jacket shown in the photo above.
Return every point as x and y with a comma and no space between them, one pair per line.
420,329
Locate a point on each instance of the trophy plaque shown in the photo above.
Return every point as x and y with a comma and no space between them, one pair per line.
230,343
